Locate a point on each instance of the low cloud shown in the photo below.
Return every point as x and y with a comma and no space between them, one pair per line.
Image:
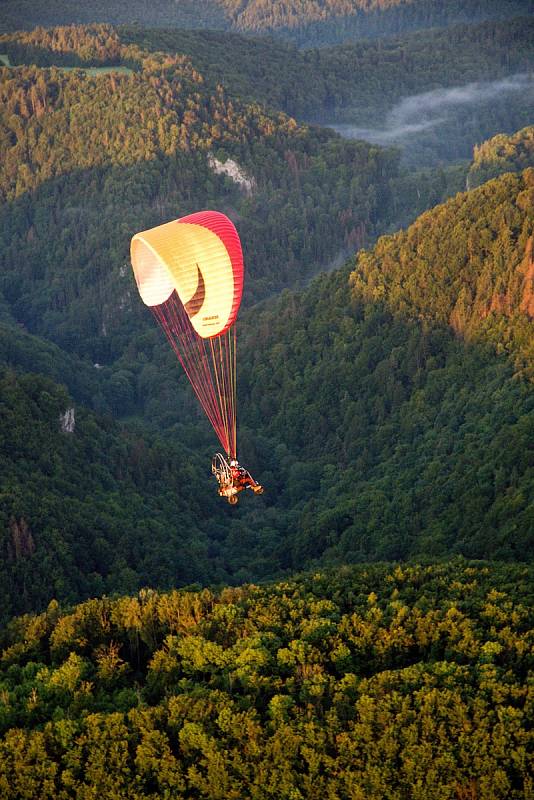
420,112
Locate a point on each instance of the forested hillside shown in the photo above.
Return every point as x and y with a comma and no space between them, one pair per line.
434,94
88,507
308,23
356,82
404,438
468,263
338,20
376,682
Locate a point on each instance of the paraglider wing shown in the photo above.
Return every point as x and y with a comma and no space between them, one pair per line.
199,257
190,273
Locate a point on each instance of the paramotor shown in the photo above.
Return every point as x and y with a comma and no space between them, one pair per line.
189,272
232,478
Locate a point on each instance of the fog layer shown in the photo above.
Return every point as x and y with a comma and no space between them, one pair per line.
421,112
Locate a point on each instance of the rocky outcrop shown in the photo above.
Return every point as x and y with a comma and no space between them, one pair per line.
234,171
66,421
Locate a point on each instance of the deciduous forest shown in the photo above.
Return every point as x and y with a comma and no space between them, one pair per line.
373,682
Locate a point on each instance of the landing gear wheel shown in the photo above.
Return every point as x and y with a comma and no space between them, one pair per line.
233,499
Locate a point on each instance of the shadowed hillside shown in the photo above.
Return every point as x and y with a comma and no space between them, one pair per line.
307,23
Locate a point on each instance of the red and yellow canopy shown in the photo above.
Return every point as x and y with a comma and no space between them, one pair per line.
199,257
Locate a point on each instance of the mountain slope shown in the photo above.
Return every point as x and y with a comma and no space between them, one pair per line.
388,436
383,439
467,263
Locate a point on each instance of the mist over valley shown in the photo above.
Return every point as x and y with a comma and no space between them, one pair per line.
421,124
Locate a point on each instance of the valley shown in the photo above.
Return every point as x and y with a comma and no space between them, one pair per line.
363,628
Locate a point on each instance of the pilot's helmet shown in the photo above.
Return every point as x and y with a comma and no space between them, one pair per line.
233,463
